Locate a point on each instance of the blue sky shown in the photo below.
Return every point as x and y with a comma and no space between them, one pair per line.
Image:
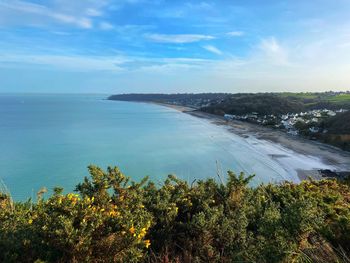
122,46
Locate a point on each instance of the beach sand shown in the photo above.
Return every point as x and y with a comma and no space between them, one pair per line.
296,155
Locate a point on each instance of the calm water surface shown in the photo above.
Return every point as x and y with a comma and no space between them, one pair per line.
49,140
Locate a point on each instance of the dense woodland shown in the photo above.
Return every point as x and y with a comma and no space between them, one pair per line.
339,124
112,219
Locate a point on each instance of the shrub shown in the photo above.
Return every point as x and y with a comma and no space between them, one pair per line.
113,219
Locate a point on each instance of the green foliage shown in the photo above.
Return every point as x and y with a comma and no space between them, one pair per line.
105,222
112,219
340,98
338,130
339,124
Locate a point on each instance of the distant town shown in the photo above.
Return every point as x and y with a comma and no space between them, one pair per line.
306,123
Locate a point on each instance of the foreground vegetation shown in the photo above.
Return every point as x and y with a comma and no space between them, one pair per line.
112,219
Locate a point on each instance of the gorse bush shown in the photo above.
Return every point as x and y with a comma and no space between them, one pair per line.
113,219
105,222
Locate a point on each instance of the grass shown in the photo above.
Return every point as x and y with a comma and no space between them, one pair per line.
300,95
340,98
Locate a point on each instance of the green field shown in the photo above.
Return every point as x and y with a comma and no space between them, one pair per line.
340,98
302,95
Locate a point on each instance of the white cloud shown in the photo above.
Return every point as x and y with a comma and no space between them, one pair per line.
76,13
178,39
93,12
106,26
274,51
213,49
22,6
235,33
65,62
80,22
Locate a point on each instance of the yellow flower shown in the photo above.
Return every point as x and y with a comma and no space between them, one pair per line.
132,230
147,243
142,233
113,213
30,221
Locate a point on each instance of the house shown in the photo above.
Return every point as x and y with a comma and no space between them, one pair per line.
229,116
314,129
331,113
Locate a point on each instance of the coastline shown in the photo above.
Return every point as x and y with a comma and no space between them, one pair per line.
280,146
181,108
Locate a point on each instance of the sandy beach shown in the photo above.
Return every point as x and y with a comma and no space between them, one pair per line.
295,154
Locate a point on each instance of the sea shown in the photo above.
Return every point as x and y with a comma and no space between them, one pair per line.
49,140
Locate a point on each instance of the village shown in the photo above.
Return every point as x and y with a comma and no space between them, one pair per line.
305,123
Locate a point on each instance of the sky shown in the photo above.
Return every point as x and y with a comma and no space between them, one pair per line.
167,46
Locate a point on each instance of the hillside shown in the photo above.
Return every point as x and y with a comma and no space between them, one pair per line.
278,103
263,104
339,124
338,131
188,99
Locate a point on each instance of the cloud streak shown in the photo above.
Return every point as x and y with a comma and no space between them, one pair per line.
213,49
26,13
235,33
106,26
178,39
65,62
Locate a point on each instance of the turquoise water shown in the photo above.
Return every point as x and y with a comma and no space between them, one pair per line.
49,140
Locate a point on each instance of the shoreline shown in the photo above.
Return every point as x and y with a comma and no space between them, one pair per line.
181,108
262,137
